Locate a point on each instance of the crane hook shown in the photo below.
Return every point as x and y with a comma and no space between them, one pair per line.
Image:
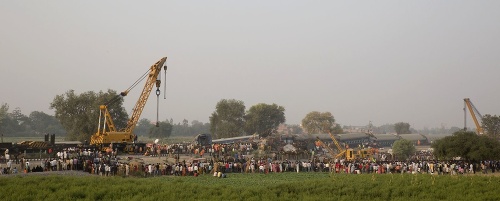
165,82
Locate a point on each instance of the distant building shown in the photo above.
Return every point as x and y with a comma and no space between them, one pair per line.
356,129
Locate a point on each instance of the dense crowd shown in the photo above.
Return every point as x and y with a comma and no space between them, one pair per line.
235,158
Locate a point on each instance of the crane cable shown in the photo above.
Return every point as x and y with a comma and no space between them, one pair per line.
158,85
157,91
157,110
124,93
165,83
136,83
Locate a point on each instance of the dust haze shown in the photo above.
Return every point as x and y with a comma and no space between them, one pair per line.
378,61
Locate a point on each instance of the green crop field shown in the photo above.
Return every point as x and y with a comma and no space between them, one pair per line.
284,186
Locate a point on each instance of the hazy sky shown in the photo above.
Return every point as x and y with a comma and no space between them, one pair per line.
379,61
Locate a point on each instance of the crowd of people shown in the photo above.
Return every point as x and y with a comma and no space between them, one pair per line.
234,158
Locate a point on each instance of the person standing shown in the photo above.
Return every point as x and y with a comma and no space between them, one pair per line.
127,169
27,168
9,166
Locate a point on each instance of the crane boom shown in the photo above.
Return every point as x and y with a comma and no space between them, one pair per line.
336,142
152,80
325,146
474,114
341,151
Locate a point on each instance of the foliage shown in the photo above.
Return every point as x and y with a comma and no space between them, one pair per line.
467,145
3,111
163,130
403,149
264,119
143,127
18,124
402,128
283,186
198,127
386,128
318,122
228,119
491,126
44,123
440,130
195,128
10,127
390,128
79,114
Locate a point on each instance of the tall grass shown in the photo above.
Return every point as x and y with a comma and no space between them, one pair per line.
285,186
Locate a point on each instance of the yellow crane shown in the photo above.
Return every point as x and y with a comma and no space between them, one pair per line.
330,150
349,153
106,130
341,150
474,114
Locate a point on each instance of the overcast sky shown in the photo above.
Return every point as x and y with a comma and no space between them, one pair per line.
379,61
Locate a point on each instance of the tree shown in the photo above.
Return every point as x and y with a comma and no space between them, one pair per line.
79,114
228,119
163,130
143,127
491,126
403,149
402,128
22,120
3,112
264,119
8,126
184,129
44,123
467,145
384,129
317,122
198,127
15,123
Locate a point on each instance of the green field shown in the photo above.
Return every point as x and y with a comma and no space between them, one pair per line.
284,186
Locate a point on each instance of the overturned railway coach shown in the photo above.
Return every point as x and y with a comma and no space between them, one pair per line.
35,149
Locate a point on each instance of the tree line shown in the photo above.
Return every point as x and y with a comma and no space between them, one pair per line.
467,146
146,128
15,123
230,119
76,116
